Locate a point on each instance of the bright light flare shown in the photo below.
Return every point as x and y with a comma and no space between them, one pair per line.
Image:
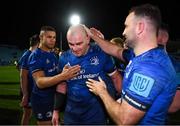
75,19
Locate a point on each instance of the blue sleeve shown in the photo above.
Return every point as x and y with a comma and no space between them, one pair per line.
176,65
23,62
146,82
62,62
36,62
109,65
127,55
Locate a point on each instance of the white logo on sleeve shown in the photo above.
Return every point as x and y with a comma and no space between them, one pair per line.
141,84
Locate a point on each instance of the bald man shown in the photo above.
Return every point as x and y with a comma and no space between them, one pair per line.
83,107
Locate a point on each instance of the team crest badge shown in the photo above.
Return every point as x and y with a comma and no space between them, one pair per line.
94,60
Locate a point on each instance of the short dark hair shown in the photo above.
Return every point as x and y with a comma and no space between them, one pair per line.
164,27
34,40
47,28
150,11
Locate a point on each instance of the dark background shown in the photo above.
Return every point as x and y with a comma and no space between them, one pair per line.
22,19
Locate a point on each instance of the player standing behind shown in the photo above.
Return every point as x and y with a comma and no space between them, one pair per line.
26,80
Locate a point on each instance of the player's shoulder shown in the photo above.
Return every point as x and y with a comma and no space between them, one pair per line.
25,55
155,55
94,48
156,61
67,53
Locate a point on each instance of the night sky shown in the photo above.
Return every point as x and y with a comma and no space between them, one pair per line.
22,19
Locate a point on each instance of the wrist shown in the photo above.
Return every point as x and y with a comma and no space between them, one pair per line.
103,93
25,94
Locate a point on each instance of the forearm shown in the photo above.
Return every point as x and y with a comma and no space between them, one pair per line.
24,82
117,81
44,82
24,86
109,48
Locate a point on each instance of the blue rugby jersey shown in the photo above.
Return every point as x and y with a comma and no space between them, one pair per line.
128,54
79,100
23,64
23,61
149,85
176,64
47,62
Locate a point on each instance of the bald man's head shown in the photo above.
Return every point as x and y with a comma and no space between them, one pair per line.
78,40
76,30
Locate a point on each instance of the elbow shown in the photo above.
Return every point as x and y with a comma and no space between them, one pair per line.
122,120
118,121
173,109
39,84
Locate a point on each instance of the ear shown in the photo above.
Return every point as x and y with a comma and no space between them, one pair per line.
88,39
40,36
140,27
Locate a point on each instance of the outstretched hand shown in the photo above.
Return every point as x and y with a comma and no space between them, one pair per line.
97,87
93,33
70,71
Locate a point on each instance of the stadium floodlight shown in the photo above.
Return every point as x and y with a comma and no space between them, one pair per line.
75,19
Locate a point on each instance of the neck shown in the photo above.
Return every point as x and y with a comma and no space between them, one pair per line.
145,45
32,48
86,50
44,48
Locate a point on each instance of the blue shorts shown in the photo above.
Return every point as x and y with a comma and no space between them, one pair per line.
92,114
42,107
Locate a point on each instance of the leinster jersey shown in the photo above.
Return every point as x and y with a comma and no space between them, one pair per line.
47,62
176,63
23,64
93,64
149,85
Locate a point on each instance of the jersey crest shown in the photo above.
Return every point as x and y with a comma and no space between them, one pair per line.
94,60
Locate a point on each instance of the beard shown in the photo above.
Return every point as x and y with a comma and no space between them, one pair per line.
49,46
130,43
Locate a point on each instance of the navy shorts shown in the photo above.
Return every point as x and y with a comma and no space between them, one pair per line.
92,114
42,107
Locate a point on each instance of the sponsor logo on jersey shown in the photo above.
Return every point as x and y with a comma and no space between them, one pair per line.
55,68
135,103
141,84
82,71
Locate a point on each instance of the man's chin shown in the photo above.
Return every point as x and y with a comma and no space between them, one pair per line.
77,54
50,46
